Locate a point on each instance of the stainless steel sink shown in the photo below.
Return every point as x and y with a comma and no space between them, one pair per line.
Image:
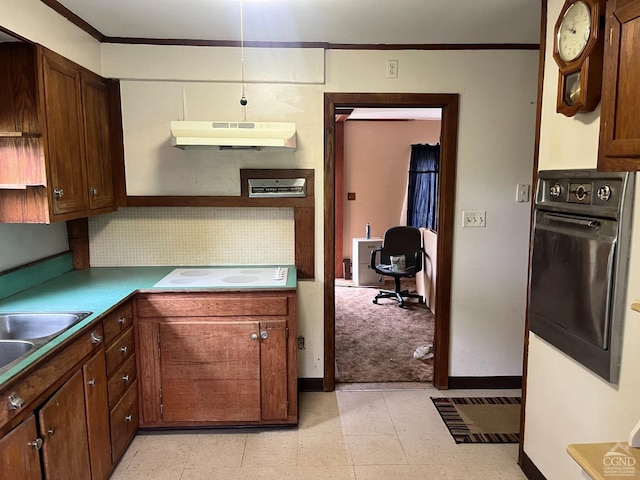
23,333
11,350
25,326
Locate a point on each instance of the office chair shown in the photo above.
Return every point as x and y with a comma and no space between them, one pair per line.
399,241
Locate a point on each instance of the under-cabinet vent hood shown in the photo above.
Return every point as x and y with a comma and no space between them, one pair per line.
233,134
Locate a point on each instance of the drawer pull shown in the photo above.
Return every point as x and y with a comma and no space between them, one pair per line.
37,443
125,378
95,338
128,418
51,432
122,320
124,350
15,401
92,382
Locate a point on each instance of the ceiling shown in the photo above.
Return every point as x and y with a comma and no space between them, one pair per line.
360,22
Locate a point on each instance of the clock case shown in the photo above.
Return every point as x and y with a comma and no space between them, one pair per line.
588,63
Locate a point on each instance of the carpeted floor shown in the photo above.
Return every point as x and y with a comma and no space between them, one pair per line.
481,419
375,343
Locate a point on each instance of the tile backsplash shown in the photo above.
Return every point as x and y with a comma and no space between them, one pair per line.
149,236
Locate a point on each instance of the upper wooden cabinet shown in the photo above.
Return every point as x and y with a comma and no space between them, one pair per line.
55,139
619,148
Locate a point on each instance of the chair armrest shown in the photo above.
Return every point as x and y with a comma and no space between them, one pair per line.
373,257
420,254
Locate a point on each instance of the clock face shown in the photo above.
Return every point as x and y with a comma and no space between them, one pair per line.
574,31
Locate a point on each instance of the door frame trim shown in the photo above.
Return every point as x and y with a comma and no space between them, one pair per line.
449,142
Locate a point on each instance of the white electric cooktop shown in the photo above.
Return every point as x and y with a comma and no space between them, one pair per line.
225,277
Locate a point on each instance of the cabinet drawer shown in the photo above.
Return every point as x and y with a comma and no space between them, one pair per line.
119,351
121,379
36,383
213,305
124,421
117,322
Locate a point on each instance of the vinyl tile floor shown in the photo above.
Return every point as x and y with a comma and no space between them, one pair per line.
358,432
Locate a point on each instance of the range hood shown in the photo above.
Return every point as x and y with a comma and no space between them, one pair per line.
233,134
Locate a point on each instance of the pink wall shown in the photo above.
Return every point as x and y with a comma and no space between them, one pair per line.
376,162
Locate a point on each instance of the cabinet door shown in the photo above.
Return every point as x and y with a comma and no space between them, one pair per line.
63,425
19,460
210,370
98,430
98,149
64,133
619,147
273,370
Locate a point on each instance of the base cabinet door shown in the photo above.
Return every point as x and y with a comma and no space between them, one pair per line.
210,371
97,408
63,426
19,456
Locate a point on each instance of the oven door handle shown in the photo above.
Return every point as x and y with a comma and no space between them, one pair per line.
571,220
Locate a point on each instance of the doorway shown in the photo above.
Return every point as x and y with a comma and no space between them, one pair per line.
334,103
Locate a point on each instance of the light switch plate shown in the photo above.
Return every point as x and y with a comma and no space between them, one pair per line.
523,191
474,218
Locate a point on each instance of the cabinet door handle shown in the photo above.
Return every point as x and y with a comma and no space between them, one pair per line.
92,382
125,378
58,193
128,418
37,443
122,320
51,432
95,338
15,401
93,191
264,334
254,336
124,350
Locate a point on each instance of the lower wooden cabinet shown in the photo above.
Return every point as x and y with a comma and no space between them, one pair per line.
97,409
19,456
63,427
85,419
217,358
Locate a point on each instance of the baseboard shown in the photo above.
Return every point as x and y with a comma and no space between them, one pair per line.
310,385
529,468
485,382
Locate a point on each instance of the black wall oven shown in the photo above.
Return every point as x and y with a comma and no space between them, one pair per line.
581,243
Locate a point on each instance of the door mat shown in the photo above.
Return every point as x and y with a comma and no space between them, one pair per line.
481,419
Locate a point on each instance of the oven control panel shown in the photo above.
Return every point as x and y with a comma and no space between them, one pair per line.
587,191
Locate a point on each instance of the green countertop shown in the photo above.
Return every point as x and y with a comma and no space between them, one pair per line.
97,290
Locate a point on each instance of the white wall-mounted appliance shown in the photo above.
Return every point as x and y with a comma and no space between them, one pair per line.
241,135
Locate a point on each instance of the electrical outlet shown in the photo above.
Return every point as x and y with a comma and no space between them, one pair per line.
473,218
392,68
300,342
522,192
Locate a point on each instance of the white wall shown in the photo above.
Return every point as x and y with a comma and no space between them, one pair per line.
566,403
495,149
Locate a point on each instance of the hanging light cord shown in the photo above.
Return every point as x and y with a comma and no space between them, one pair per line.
243,99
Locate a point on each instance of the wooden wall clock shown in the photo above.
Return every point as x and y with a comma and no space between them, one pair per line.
577,49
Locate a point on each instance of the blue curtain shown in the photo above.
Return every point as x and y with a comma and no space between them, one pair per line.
422,205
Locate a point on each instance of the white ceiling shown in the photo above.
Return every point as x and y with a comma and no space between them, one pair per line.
326,21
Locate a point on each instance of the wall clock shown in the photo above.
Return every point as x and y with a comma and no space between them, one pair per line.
577,49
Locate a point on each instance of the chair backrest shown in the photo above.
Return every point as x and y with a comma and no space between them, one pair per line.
401,240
